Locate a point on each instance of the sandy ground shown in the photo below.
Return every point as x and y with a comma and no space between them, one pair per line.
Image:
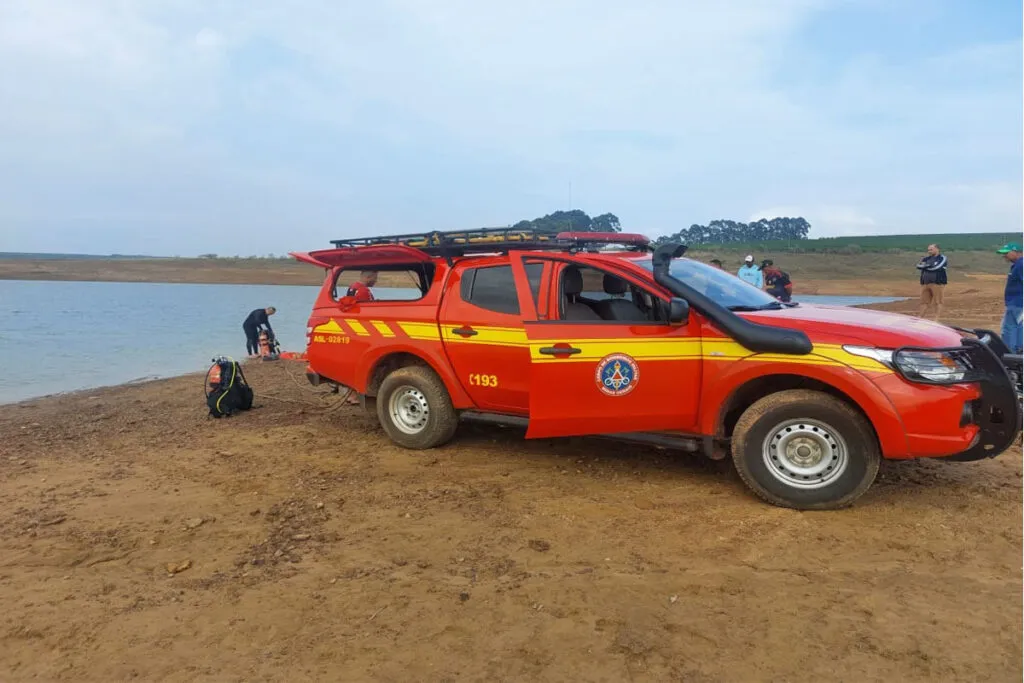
144,541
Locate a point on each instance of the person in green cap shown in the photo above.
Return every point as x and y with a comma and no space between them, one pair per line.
1014,291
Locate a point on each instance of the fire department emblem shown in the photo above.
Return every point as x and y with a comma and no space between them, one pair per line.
617,374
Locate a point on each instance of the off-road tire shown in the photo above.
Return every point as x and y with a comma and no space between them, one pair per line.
441,419
763,419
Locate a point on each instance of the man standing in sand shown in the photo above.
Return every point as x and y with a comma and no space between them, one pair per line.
1012,331
253,322
933,280
750,273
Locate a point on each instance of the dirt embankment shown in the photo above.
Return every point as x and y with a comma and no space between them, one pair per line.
143,540
199,271
829,273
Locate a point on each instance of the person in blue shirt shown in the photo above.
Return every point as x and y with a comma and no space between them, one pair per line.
1012,331
750,273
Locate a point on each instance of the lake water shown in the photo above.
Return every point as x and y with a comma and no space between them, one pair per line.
835,300
64,336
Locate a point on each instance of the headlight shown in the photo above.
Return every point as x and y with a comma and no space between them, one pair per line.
933,367
918,365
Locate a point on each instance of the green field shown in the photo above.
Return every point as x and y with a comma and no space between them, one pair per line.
978,241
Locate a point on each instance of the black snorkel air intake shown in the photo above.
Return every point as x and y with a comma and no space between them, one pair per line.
756,337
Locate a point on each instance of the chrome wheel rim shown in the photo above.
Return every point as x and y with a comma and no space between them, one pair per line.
409,410
805,454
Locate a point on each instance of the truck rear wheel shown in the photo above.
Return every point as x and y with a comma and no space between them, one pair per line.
414,408
805,450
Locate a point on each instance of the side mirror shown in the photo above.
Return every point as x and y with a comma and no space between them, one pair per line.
346,302
678,311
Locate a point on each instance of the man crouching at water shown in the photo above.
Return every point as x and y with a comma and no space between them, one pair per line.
257,319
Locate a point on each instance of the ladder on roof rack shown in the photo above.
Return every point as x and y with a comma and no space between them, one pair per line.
489,240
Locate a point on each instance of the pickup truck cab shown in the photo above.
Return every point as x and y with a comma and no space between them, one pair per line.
570,336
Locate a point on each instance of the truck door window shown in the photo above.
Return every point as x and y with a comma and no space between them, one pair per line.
493,288
612,298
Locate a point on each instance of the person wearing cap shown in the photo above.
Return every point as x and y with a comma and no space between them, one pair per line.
1012,332
750,273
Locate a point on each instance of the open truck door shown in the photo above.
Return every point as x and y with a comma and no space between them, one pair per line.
601,376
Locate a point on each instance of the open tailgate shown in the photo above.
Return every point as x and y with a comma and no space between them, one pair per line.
361,257
307,258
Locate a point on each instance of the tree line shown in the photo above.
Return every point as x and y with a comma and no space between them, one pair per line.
716,232
571,221
729,232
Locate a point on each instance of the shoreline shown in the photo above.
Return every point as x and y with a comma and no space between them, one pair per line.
86,392
169,271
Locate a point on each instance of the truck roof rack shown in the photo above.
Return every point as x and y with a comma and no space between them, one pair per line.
491,240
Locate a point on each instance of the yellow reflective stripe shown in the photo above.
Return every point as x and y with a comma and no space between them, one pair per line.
809,359
329,327
595,349
421,331
655,348
836,353
822,354
724,349
357,327
492,336
714,349
383,328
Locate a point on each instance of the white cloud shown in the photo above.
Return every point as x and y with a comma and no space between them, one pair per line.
233,120
831,221
209,39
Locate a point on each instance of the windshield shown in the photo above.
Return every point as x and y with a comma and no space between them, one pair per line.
721,287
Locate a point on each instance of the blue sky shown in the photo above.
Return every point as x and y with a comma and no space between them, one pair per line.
180,127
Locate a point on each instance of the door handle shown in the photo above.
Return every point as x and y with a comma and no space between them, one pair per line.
560,350
465,331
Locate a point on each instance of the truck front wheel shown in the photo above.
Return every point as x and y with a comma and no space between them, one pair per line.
414,408
805,450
